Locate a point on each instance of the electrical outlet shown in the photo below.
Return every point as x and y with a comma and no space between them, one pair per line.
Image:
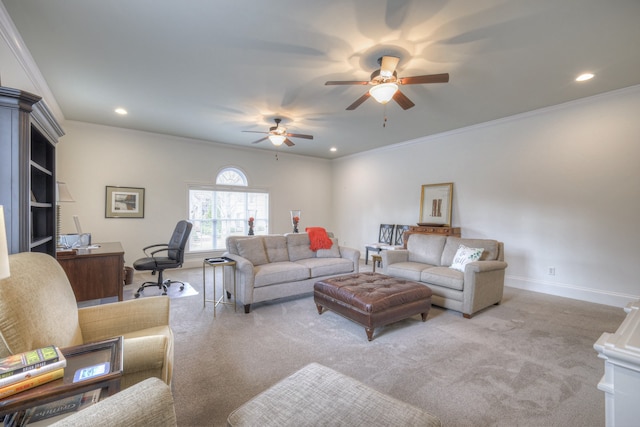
552,271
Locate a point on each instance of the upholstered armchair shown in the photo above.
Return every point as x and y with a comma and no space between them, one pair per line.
38,308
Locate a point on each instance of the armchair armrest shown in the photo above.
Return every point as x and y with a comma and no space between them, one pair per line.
108,320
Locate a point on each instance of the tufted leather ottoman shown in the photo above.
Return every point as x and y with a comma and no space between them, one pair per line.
372,299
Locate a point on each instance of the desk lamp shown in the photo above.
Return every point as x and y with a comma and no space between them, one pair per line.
63,195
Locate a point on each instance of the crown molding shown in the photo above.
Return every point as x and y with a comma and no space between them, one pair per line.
12,37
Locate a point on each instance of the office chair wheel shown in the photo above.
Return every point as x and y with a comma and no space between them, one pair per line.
137,294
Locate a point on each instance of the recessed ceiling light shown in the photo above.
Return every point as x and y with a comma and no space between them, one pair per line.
121,111
333,149
584,77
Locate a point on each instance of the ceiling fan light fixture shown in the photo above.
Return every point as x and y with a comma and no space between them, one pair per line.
277,140
383,92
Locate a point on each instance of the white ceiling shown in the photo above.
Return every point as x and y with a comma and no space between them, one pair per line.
209,69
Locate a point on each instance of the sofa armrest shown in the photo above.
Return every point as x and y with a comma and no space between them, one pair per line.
245,278
109,320
147,403
352,255
481,266
483,285
393,256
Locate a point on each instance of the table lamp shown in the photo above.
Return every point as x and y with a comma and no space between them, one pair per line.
4,250
62,195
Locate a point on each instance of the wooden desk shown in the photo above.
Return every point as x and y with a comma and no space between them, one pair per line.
95,273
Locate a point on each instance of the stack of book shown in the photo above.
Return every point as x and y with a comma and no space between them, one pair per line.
30,369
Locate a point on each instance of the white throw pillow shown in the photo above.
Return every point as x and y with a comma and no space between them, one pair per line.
464,256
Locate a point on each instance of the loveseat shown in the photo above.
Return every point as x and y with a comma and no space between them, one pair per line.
276,266
475,282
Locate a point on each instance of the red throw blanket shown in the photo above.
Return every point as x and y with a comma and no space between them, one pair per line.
319,238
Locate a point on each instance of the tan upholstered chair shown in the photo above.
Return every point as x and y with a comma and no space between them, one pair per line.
38,308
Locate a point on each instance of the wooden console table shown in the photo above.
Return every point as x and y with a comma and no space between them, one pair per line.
95,273
422,229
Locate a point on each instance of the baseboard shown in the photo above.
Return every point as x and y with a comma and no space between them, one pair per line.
597,296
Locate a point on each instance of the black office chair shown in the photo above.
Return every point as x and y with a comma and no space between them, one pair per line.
173,259
385,237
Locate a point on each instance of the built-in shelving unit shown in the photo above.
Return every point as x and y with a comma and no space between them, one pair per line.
28,137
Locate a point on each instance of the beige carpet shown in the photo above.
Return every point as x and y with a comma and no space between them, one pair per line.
526,362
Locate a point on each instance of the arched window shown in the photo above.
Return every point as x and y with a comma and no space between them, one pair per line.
231,176
222,210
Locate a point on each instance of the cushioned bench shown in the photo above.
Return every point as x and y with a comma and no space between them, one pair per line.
372,299
317,395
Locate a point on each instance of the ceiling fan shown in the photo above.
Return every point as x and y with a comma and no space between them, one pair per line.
385,81
277,135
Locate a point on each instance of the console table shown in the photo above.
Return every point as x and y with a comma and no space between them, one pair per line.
95,273
428,229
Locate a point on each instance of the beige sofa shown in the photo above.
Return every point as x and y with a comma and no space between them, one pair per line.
428,259
277,266
38,308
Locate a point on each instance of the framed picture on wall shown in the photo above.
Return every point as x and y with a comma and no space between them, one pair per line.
124,202
435,204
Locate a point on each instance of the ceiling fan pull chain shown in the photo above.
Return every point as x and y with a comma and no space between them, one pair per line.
384,122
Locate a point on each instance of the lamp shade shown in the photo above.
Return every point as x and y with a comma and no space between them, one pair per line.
4,249
277,140
383,92
63,192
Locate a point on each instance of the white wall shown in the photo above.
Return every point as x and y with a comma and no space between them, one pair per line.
559,186
91,157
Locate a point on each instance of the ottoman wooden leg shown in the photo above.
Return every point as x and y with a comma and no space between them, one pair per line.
369,333
424,316
319,307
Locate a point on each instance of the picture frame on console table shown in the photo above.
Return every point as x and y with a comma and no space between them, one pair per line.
435,204
124,202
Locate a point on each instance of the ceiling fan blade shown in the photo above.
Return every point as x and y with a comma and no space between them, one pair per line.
359,101
260,140
346,82
299,135
402,100
431,78
388,65
254,131
289,142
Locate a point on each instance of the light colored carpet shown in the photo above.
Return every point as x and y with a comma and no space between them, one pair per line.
527,362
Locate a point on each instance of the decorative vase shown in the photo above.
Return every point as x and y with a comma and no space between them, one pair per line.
295,219
252,215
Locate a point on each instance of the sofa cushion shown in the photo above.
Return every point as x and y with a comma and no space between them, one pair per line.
426,248
279,272
490,247
464,256
319,267
253,250
443,276
276,247
407,270
333,252
298,246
